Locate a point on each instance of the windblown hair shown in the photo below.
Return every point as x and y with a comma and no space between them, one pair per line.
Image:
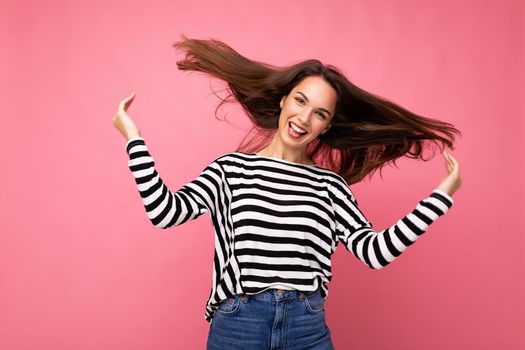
367,131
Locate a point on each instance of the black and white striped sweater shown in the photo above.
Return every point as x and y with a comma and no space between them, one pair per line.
277,223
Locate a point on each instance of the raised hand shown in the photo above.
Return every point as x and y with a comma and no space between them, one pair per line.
123,122
452,181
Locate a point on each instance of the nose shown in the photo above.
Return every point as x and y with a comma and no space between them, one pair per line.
304,118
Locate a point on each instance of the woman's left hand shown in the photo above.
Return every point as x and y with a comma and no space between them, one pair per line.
452,181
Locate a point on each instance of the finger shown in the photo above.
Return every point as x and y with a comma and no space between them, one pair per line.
456,166
447,159
454,161
446,155
448,165
122,103
127,99
130,98
125,103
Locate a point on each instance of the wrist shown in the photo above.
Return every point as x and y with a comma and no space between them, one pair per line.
133,135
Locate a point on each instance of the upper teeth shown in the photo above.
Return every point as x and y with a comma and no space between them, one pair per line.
296,128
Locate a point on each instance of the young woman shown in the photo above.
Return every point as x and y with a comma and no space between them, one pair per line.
279,211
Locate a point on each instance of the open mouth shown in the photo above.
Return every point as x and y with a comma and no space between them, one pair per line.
295,131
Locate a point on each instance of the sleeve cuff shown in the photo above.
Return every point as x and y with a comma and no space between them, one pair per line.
133,139
444,194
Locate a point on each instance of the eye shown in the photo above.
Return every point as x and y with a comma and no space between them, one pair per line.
300,100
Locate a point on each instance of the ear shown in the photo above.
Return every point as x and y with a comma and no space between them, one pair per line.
282,101
325,130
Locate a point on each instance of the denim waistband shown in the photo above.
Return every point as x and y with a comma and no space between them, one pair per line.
274,294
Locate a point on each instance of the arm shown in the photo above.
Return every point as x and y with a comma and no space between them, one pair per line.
163,207
378,249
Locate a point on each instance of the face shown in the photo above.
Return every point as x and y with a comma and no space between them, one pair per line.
309,107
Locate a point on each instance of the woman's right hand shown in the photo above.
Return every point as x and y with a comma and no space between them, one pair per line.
123,122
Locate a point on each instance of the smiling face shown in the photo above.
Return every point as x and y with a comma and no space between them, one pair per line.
308,108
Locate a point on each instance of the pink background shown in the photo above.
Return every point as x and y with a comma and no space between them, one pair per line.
81,267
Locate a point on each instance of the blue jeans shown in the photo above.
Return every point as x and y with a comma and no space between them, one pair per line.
273,319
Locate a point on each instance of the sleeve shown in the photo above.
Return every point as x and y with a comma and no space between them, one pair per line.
378,249
163,207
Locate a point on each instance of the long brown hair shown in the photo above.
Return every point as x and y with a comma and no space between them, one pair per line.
367,131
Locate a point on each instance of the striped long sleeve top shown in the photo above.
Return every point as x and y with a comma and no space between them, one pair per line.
276,223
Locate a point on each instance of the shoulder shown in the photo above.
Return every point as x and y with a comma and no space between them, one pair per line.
231,157
224,161
339,187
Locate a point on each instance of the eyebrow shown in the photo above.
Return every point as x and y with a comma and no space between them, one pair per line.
321,108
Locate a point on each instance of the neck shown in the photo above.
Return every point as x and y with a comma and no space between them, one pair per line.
278,150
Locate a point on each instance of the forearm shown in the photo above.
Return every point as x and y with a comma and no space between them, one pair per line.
378,249
163,207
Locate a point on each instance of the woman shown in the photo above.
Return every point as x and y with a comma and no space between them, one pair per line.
279,213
